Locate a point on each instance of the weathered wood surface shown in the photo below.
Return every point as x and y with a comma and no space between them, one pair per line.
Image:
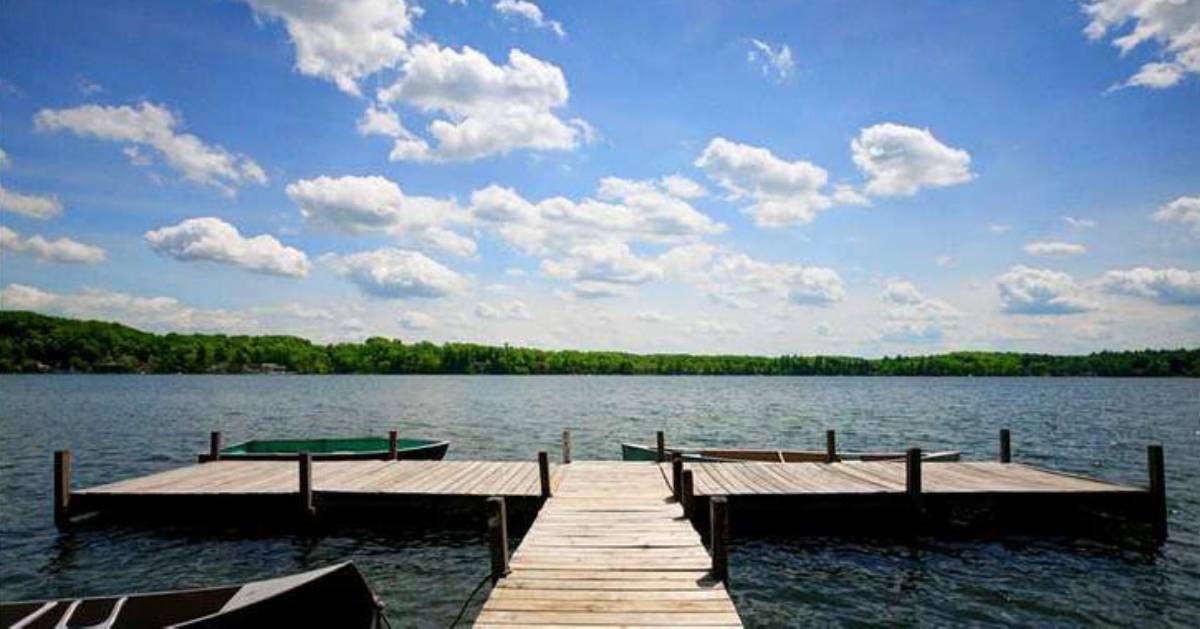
460,478
866,477
610,548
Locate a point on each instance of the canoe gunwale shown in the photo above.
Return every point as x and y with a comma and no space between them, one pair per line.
764,455
429,450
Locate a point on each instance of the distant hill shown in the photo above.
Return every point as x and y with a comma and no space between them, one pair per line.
33,343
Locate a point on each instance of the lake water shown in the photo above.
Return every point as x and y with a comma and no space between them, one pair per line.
119,426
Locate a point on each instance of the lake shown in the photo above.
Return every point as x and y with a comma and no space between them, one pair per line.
118,426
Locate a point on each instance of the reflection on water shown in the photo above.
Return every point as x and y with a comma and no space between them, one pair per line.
119,426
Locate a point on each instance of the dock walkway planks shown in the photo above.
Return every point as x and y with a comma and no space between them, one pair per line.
610,548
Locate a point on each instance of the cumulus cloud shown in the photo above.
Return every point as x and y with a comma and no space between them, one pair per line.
414,320
782,192
145,312
1166,286
487,109
652,316
911,317
214,240
57,250
1025,290
155,127
33,206
682,187
601,269
772,60
1184,210
342,40
529,12
1054,248
4,161
900,160
735,279
1173,25
392,273
1074,221
514,309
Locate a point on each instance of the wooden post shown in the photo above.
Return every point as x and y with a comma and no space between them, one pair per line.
214,445
393,448
677,476
62,489
1158,491
497,531
544,473
566,447
307,509
912,472
662,447
830,446
689,494
1005,446
718,513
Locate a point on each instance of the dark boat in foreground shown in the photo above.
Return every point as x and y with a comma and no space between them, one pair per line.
334,449
336,596
639,452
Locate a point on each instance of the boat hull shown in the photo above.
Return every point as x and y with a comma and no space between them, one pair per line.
639,452
369,448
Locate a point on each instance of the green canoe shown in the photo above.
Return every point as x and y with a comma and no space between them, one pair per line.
333,449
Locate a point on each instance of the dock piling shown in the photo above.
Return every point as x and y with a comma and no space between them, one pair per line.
566,447
830,446
214,445
1005,446
307,509
62,489
497,531
1158,491
677,476
393,446
718,513
689,494
912,472
544,472
662,446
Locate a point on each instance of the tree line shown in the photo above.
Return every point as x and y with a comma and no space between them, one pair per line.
33,343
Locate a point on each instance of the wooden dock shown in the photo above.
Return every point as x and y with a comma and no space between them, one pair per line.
610,548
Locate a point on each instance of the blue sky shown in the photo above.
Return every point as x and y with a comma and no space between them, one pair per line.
848,177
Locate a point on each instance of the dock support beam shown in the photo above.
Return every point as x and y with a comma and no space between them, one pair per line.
912,473
62,489
718,513
566,447
662,446
689,494
307,509
497,531
214,445
677,476
544,472
393,445
1005,446
830,446
1158,491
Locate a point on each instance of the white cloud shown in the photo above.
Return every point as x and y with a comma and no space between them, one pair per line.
1025,290
1054,248
1074,221
57,250
911,317
944,260
488,109
652,316
734,279
607,262
214,240
414,320
441,239
154,126
783,192
397,274
1184,210
4,161
772,59
682,187
999,228
530,12
1173,24
715,328
1167,286
87,87
515,309
144,312
899,160
342,40
33,206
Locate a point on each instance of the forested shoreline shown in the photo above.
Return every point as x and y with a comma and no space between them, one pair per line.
34,343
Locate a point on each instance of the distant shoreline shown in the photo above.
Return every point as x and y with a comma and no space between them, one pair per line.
35,343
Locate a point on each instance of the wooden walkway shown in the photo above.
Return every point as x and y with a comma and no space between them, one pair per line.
610,548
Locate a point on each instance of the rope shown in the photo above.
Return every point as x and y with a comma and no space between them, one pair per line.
467,602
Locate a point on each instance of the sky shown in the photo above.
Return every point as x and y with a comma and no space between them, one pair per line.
826,177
